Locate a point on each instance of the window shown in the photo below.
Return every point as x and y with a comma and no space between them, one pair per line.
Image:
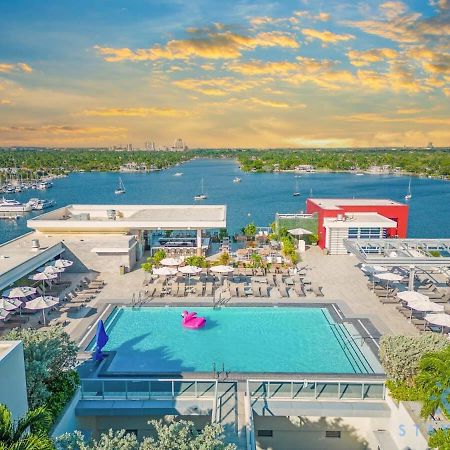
332,434
265,433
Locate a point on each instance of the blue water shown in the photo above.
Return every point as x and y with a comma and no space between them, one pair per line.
149,340
257,198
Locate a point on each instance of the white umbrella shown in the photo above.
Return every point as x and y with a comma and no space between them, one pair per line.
43,276
42,303
222,269
299,232
373,269
63,263
388,276
165,271
190,270
412,296
19,292
442,320
9,304
4,314
171,262
425,306
51,269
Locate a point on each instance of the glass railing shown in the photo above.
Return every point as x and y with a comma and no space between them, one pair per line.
147,389
317,390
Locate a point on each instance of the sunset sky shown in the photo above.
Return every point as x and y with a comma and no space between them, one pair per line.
234,73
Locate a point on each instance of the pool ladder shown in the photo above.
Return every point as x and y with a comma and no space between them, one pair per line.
137,300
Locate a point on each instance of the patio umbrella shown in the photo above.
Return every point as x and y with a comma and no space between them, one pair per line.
388,276
412,296
63,263
190,270
9,304
222,269
171,262
299,232
19,292
376,268
4,314
43,303
441,320
165,271
43,276
425,306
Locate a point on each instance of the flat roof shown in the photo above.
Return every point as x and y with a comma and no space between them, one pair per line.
339,203
6,347
360,220
98,218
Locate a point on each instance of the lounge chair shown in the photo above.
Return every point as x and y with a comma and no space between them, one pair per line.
283,291
158,290
264,290
241,290
174,289
256,289
299,290
270,279
279,279
209,289
199,286
317,289
181,289
150,291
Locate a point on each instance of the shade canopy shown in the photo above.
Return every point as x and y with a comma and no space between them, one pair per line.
373,269
63,263
442,320
9,304
222,269
299,232
389,276
51,269
42,302
425,306
190,270
43,276
171,262
4,314
19,292
412,296
165,271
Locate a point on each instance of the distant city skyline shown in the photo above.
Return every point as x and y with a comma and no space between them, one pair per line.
241,74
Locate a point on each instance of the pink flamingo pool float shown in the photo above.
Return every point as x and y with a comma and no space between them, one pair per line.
190,320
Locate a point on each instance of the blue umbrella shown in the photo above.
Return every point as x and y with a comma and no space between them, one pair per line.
101,338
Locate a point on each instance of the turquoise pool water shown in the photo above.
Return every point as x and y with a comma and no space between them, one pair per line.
152,340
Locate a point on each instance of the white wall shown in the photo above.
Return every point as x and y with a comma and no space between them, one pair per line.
13,389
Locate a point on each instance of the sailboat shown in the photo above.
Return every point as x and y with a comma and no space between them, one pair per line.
296,192
408,196
201,196
121,188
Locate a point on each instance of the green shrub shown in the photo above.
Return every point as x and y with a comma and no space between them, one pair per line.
400,355
440,439
402,391
197,261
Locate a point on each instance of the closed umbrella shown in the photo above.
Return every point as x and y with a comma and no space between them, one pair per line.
63,263
171,262
411,296
165,271
43,276
441,320
43,303
189,270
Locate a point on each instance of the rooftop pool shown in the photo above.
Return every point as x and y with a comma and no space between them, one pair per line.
152,340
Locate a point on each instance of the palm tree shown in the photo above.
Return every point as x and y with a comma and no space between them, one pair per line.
434,381
23,434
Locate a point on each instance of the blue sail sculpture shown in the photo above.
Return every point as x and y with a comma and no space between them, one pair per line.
101,338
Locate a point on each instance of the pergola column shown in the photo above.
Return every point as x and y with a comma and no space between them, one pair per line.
199,242
412,272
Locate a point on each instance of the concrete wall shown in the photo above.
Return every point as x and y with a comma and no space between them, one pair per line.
13,389
101,424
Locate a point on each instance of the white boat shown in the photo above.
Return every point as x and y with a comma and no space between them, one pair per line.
236,180
39,204
408,196
43,185
121,188
178,174
201,196
296,193
7,205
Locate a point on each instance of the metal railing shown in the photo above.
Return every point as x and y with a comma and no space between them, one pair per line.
147,389
316,390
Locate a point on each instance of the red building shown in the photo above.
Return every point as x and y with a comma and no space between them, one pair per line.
342,218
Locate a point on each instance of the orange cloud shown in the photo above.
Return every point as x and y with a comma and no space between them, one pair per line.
218,87
217,45
269,103
135,112
257,67
367,57
326,37
23,67
392,9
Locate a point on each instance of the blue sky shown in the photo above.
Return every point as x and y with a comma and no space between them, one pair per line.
235,73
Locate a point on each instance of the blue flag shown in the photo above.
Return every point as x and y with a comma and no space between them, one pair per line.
101,338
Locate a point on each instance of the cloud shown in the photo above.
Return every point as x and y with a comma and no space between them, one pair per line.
218,87
64,130
321,141
366,57
321,16
5,101
392,9
373,117
21,67
433,61
136,112
327,37
215,45
409,110
258,67
270,103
